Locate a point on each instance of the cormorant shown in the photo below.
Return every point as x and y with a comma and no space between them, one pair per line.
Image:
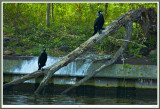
98,24
42,59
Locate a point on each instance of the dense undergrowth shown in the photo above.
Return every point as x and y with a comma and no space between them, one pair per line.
25,30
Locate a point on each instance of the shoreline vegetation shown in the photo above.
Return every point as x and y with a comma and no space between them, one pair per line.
25,30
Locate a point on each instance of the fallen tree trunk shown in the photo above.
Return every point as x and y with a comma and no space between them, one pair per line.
132,15
109,62
24,78
112,28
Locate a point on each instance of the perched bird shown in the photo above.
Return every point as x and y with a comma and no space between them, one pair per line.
42,59
98,24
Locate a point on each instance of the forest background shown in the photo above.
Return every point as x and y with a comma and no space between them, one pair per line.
62,27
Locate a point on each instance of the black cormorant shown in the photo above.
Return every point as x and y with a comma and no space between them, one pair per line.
98,24
42,59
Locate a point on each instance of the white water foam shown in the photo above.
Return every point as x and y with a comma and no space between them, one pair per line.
29,66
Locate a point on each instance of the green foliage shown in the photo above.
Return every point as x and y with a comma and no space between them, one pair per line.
134,49
152,41
127,66
18,50
71,25
153,56
36,51
59,53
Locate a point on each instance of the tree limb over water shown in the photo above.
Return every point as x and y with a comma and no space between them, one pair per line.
125,20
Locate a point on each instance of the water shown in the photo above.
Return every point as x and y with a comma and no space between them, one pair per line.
120,97
29,66
18,98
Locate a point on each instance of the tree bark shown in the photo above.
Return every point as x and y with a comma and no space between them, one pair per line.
24,78
47,15
109,62
52,11
112,28
105,12
131,15
16,19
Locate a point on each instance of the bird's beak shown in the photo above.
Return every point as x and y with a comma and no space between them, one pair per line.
102,12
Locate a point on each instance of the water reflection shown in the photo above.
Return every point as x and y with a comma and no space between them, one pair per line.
30,99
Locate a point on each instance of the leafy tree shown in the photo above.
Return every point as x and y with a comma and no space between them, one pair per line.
70,25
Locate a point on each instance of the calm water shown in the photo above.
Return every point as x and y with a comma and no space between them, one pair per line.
118,96
18,98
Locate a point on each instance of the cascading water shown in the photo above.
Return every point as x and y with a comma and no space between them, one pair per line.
74,70
29,66
84,67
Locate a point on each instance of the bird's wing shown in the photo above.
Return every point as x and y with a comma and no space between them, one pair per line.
97,23
101,20
45,57
39,59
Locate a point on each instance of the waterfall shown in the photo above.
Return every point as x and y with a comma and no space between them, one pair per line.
83,69
74,69
28,66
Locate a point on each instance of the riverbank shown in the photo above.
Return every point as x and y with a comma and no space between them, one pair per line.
94,57
19,47
116,81
139,75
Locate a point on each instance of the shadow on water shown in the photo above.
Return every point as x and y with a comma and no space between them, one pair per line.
83,95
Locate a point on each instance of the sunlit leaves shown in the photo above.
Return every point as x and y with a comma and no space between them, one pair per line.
69,19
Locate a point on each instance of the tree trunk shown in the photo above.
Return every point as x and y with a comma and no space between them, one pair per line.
52,11
109,62
26,77
132,15
112,28
16,20
106,7
47,15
